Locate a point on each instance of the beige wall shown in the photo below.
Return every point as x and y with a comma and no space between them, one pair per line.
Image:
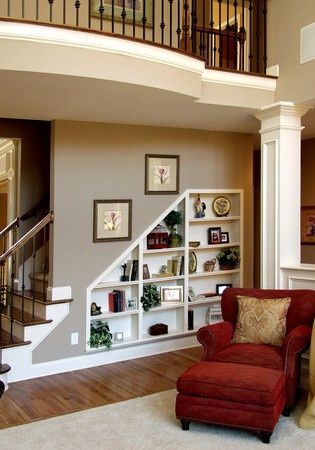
97,161
285,19
308,191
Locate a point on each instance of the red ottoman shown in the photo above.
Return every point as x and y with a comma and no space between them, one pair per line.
233,395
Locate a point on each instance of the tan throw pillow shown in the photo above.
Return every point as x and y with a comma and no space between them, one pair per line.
261,321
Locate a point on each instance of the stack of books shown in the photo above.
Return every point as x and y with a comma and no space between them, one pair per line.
116,300
176,265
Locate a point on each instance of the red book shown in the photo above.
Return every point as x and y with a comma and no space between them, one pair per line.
111,301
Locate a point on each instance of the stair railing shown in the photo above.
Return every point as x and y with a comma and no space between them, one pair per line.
31,251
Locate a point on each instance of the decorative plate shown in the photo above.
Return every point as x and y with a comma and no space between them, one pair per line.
192,262
194,243
221,206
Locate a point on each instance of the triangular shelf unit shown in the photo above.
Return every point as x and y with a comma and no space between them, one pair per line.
180,274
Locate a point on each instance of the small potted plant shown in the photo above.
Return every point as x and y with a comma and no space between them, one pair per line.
172,220
100,334
151,297
228,258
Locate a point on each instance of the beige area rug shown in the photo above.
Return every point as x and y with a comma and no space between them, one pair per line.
145,423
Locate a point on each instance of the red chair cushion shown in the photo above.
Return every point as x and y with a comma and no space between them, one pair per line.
232,382
252,354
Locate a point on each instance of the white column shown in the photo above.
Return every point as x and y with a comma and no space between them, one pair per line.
280,189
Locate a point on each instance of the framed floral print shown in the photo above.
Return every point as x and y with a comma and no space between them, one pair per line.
112,220
161,174
308,225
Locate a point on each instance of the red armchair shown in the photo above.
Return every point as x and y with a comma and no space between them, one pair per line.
218,347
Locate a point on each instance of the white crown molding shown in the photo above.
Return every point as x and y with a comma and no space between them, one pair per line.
288,109
94,41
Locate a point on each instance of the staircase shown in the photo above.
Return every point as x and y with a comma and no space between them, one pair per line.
26,316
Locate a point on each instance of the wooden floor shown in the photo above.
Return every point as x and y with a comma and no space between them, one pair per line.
41,398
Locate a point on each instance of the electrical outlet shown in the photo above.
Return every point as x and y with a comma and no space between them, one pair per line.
74,338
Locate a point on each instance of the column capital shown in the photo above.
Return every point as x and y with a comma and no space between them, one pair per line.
281,115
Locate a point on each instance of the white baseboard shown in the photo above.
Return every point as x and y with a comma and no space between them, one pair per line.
59,293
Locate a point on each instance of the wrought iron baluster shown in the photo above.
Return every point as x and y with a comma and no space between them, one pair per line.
265,35
44,294
123,17
9,8
64,13
153,20
178,30
202,46
144,19
77,12
220,33
90,13
212,37
235,34
23,281
171,22
257,36
228,33
162,25
51,4
242,36
101,10
250,56
23,9
113,16
33,273
37,9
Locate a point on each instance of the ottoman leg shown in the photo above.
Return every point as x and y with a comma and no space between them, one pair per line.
185,424
265,437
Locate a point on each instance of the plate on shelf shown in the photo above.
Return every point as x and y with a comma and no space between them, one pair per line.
194,243
221,206
192,262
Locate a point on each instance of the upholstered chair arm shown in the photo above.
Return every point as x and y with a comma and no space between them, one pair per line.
297,341
215,338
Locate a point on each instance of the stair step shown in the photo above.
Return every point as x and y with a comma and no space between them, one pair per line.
26,319
28,295
6,341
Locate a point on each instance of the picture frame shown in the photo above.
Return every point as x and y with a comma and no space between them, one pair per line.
192,296
225,237
146,272
162,174
192,264
118,9
119,336
308,225
214,235
112,220
171,294
131,304
219,288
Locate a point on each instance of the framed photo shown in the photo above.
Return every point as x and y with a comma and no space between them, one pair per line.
131,304
308,225
118,9
192,297
219,288
112,220
225,237
214,235
161,174
146,272
171,294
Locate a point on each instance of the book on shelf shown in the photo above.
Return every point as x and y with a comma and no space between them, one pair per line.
116,301
134,270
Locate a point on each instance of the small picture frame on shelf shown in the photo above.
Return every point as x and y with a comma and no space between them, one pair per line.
214,235
131,304
161,174
112,220
225,237
219,288
146,272
119,336
192,296
171,294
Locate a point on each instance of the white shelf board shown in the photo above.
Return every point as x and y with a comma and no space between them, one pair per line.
212,274
171,333
110,314
209,247
158,280
207,301
125,341
213,219
170,305
110,284
164,250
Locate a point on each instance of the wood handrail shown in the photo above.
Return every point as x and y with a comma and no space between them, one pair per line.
31,233
14,223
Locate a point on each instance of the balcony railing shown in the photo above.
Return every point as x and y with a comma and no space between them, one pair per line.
227,34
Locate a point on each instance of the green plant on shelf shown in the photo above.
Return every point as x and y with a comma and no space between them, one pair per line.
100,334
172,220
151,297
228,258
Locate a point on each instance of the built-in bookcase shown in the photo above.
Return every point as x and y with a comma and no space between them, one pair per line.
131,323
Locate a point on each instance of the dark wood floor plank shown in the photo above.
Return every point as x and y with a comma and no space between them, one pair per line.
45,397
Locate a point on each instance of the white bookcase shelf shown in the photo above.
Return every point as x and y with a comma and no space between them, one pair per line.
131,321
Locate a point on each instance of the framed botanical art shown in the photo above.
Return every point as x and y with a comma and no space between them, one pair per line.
112,220
308,225
161,174
172,293
134,10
